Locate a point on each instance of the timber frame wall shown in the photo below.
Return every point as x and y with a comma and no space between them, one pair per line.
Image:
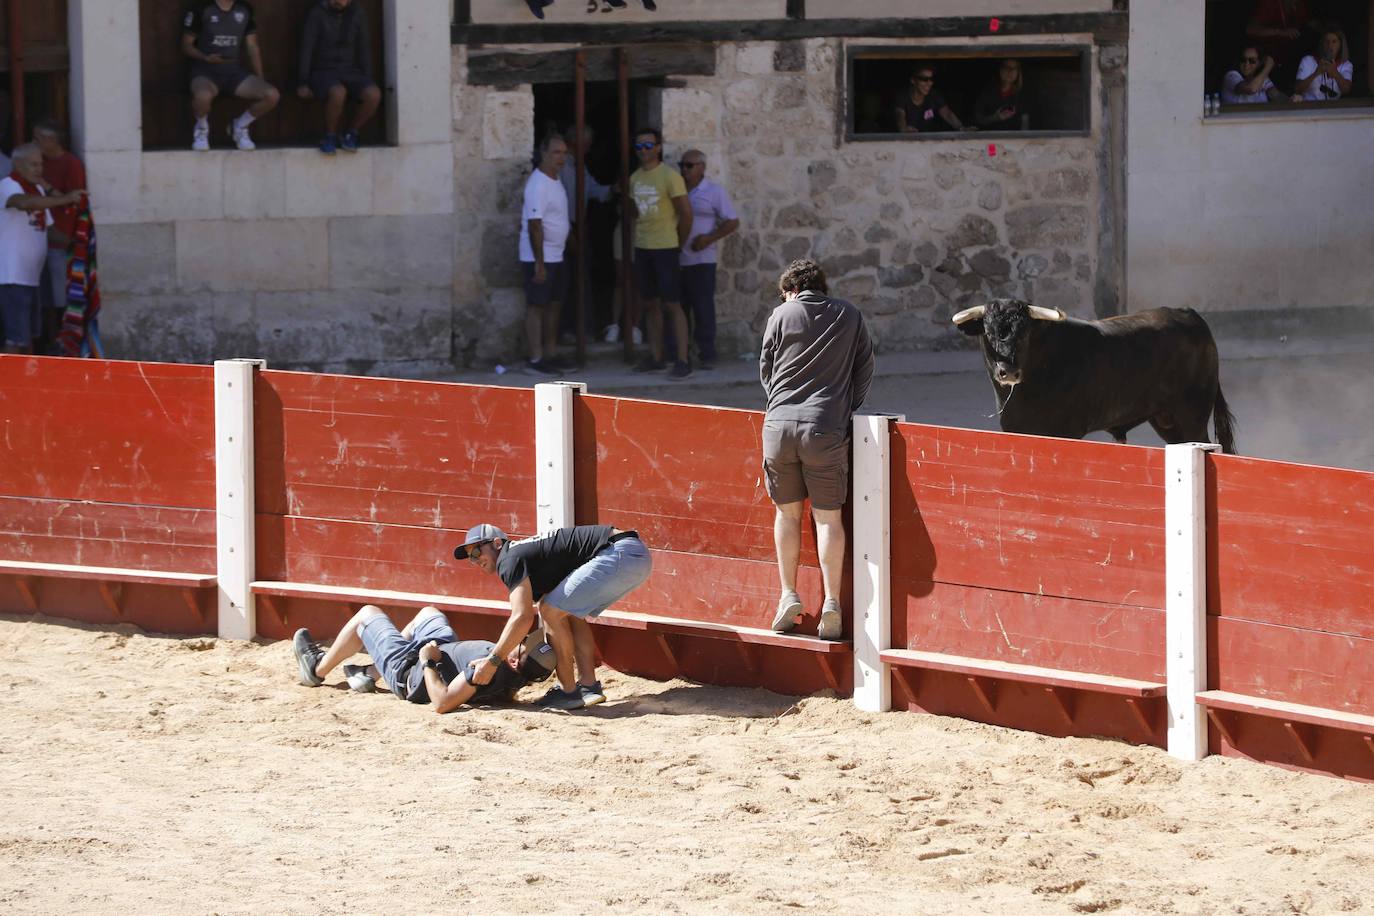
1173,597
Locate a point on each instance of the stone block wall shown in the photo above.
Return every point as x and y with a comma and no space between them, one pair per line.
911,231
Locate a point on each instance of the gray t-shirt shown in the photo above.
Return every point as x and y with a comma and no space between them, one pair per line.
816,361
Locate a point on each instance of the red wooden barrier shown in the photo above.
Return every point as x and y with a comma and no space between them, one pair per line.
1291,601
106,463
371,482
690,480
1030,551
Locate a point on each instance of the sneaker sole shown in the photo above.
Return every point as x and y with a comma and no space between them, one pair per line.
300,645
831,627
593,699
786,617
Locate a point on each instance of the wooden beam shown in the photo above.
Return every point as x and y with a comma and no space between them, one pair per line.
110,593
1305,739
832,676
986,692
1145,720
1227,730
908,682
276,606
193,601
28,589
1104,27
747,658
1063,701
667,648
505,69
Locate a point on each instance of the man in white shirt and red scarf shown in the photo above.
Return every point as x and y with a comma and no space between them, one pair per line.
24,222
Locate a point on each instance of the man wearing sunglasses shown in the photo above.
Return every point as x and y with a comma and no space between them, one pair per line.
663,221
923,109
1250,84
424,663
573,574
713,218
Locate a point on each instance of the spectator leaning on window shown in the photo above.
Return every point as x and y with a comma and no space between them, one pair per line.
1330,77
24,222
1250,83
336,63
922,105
1001,104
216,35
63,172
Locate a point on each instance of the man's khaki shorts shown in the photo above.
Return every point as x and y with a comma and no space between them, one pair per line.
800,460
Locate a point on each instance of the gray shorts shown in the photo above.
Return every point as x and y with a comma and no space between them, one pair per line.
800,460
618,569
392,653
19,313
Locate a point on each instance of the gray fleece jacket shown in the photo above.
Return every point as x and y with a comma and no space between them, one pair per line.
816,361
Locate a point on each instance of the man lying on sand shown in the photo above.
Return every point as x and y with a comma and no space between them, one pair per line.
425,662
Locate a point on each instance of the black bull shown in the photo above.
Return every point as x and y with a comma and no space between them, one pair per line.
1061,376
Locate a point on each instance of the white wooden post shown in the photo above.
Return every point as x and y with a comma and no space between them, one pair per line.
553,452
872,512
234,505
1185,577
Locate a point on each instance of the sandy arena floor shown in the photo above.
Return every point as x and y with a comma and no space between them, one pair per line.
194,776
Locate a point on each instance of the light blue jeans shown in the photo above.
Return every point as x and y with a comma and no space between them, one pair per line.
620,568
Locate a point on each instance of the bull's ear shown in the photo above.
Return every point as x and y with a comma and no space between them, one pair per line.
1045,314
970,320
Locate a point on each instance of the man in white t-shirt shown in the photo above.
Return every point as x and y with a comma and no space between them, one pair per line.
544,226
1327,79
1250,84
24,222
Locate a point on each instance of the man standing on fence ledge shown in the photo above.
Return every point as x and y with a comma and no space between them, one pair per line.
573,574
816,363
424,663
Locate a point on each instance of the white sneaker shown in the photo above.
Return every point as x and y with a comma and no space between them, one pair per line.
200,139
638,336
240,137
612,334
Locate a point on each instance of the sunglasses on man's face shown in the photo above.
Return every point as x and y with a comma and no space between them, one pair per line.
645,146
475,551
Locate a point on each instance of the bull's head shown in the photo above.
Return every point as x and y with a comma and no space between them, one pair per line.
1005,325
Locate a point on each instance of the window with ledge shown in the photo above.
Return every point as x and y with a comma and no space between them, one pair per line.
1054,99
1232,26
166,79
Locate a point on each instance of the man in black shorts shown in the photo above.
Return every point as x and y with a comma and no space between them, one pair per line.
663,221
424,663
336,63
573,574
216,35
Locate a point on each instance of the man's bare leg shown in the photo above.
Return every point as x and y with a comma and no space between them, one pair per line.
830,548
348,643
560,634
367,106
584,647
787,541
679,320
262,95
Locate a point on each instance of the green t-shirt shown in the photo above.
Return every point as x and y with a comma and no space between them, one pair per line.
653,192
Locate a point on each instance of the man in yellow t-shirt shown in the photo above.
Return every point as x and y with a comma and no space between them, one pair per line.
663,220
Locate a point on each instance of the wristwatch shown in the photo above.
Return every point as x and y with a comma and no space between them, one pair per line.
432,663
494,659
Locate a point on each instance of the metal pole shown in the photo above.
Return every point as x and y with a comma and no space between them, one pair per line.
629,314
16,29
580,268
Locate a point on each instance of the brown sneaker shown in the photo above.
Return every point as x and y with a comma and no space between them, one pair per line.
789,606
832,621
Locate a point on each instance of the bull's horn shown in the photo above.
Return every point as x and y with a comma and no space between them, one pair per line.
1045,314
970,314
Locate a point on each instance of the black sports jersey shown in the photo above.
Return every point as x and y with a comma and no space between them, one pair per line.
458,658
548,559
218,32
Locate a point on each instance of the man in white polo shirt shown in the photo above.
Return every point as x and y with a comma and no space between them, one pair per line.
24,222
544,226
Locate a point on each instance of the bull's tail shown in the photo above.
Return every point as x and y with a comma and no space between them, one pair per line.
1225,423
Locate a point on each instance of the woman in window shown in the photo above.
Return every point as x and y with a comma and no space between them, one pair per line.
1330,77
1001,104
1250,84
923,109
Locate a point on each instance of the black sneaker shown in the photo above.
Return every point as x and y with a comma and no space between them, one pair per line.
558,698
540,367
591,693
308,654
680,371
649,364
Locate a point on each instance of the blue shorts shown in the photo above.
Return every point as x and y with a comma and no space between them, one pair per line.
620,568
19,313
392,653
538,295
657,272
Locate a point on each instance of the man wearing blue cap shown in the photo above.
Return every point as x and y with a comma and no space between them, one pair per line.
573,574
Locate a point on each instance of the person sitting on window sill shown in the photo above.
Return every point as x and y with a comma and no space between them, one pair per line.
917,113
1327,79
1001,104
1250,83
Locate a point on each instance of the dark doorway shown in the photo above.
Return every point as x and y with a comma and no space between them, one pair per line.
555,111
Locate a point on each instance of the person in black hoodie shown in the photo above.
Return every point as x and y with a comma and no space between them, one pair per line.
336,63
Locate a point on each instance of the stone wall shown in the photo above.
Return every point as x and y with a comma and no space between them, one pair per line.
911,231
